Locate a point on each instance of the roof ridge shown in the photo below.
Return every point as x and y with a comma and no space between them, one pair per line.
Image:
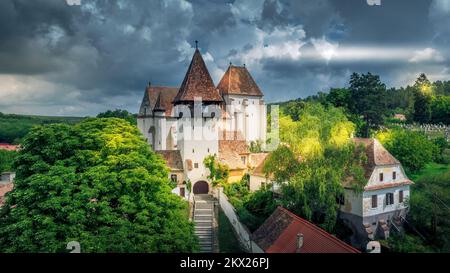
319,229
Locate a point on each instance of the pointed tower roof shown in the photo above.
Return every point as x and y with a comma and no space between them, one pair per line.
238,81
197,83
158,105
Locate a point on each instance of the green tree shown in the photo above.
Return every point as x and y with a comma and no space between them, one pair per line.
440,110
281,164
412,149
218,173
368,99
430,210
97,183
422,99
6,160
340,97
118,113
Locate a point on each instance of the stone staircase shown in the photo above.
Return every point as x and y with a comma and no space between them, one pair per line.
204,219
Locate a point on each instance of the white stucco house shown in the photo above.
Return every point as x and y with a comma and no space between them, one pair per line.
382,204
186,124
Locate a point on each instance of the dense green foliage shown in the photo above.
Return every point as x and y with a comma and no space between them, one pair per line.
118,113
402,145
218,173
98,183
14,127
252,208
368,104
6,160
422,101
430,209
316,155
367,95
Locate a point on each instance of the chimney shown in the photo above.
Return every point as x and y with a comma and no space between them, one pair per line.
299,242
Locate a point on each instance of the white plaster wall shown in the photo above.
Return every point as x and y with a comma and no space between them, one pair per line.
387,175
382,208
250,117
256,181
197,149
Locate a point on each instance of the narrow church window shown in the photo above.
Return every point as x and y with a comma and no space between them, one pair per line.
208,150
394,175
193,151
400,196
374,201
381,177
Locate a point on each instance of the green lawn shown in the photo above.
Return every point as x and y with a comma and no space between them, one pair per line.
228,243
430,169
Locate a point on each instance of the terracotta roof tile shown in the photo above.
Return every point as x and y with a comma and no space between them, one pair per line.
376,154
279,232
9,147
166,94
197,83
237,80
233,141
232,160
173,159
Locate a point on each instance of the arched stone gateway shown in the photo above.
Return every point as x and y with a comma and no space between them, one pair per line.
201,187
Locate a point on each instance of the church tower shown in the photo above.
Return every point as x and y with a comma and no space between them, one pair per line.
198,128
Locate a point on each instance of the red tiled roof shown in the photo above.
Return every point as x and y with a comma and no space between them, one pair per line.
279,233
8,147
197,83
166,96
237,80
173,159
376,154
231,159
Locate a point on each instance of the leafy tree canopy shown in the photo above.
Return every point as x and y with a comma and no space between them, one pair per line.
411,148
6,160
98,183
118,113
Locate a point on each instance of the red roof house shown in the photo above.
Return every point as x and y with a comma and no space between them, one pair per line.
8,147
285,232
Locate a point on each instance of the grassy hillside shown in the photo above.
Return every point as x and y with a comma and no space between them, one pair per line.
14,127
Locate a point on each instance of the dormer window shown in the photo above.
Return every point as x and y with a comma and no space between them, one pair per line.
381,177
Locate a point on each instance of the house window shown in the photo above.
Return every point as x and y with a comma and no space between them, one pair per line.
381,177
193,151
196,165
374,201
389,198
394,175
173,177
208,150
182,192
243,158
400,196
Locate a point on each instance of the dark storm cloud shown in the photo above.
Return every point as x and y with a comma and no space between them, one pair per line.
60,59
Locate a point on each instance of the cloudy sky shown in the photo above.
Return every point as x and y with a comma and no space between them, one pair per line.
60,59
